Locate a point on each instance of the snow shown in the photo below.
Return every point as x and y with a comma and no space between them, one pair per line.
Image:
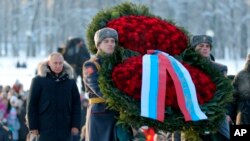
233,66
9,73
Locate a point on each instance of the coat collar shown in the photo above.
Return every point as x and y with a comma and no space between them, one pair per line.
43,69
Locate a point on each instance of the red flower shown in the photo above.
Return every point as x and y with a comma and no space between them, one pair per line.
154,33
128,78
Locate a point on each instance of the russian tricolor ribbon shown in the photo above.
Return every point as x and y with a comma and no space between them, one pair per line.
153,92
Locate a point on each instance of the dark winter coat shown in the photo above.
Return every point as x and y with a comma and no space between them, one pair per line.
23,127
220,67
53,105
241,84
101,121
76,55
223,131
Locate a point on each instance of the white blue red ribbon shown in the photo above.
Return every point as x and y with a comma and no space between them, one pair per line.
153,92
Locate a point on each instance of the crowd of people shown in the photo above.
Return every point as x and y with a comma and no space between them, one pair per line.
54,110
12,112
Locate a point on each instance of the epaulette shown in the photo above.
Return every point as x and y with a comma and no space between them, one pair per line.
89,67
94,61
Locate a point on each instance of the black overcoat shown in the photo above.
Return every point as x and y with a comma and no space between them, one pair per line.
53,104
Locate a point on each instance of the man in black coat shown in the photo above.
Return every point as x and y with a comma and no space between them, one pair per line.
53,108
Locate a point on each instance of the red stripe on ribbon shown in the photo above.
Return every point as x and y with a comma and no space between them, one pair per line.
178,89
162,77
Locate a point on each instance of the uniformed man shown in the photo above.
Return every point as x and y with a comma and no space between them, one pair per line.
203,44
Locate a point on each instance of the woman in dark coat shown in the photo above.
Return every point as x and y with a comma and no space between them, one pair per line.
53,107
101,121
241,84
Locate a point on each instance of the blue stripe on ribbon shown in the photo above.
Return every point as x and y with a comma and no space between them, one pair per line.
154,80
185,88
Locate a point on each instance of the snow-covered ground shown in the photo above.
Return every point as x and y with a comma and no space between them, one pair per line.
9,73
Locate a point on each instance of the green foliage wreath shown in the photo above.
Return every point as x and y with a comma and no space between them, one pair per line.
129,108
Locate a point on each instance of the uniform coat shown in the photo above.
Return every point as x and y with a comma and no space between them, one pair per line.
53,106
223,130
100,120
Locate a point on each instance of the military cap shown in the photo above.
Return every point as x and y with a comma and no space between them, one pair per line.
197,39
105,33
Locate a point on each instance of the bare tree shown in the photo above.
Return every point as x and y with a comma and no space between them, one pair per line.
39,27
31,47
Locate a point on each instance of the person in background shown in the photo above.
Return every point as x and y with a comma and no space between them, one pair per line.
76,53
53,106
61,49
203,44
241,94
13,121
101,121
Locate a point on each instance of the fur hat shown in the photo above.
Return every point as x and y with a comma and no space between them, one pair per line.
197,39
105,33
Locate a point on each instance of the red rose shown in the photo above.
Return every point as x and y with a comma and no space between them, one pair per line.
131,79
154,34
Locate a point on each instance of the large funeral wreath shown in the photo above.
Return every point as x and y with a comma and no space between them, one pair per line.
121,74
